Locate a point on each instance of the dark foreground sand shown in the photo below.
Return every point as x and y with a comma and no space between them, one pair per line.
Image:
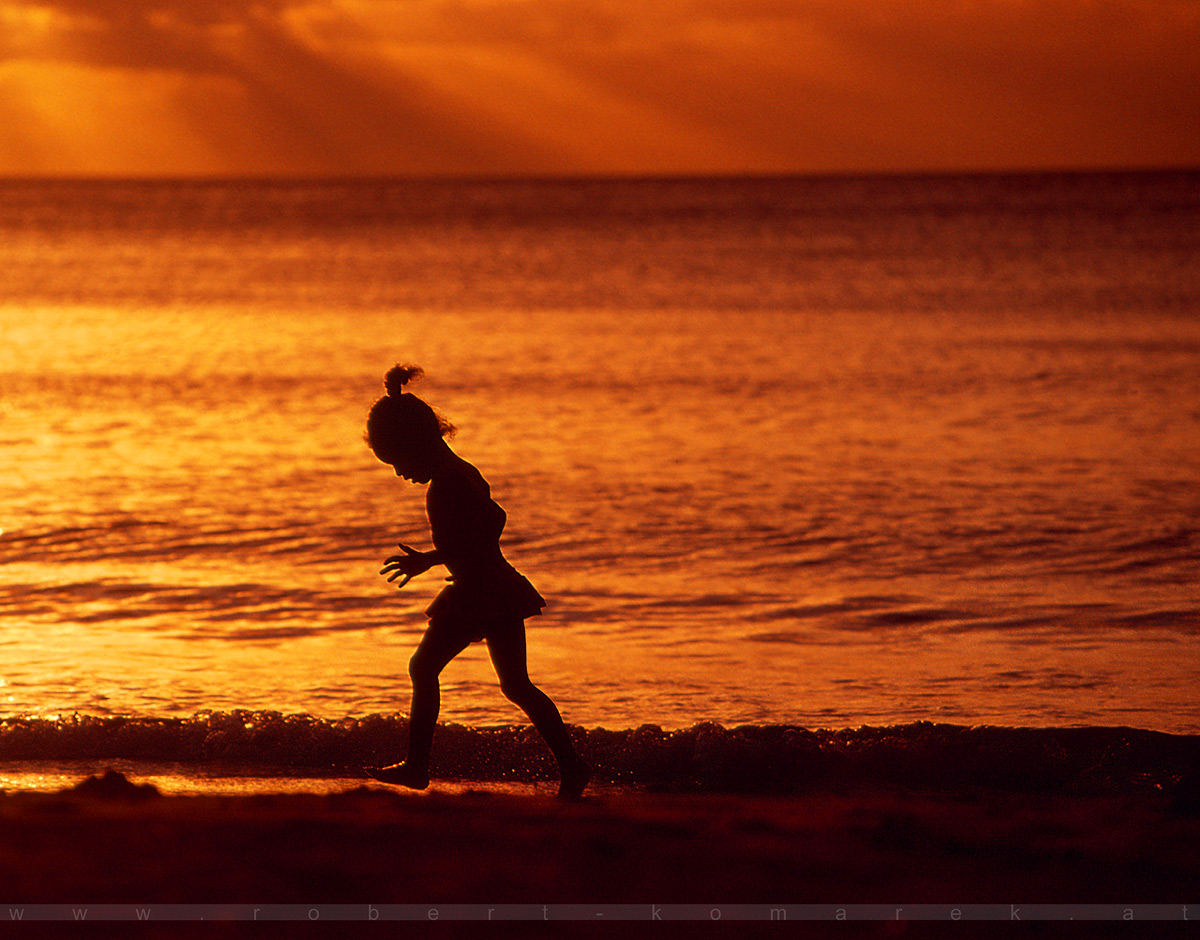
117,844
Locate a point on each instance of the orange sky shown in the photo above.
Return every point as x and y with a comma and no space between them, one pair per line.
261,87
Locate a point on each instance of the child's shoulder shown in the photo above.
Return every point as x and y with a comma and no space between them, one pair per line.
464,475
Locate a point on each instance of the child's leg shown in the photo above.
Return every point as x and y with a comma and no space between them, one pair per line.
507,649
437,648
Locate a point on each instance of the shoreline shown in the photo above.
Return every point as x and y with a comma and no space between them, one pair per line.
784,760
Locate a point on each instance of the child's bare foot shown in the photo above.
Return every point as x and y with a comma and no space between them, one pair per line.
402,774
574,777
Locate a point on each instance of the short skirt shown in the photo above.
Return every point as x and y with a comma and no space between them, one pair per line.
480,603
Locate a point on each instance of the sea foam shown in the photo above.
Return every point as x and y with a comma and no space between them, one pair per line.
704,757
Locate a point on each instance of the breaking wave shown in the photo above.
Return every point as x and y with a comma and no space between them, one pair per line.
705,757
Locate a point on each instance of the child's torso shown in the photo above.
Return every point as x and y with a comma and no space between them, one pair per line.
465,522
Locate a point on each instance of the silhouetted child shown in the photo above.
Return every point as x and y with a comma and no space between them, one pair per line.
488,598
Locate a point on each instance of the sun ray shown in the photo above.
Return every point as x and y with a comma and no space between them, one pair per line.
563,86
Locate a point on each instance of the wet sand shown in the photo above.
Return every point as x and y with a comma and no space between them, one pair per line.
113,843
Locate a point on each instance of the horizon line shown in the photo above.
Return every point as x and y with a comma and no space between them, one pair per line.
598,177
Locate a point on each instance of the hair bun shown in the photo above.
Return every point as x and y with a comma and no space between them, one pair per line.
398,376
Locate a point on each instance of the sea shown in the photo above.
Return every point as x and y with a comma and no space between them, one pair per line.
912,455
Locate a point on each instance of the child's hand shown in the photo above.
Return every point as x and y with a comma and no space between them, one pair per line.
410,564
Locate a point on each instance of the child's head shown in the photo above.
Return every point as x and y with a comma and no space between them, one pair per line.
402,429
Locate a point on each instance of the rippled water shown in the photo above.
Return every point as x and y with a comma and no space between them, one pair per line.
823,452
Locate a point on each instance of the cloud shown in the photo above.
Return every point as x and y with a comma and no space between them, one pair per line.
247,89
537,86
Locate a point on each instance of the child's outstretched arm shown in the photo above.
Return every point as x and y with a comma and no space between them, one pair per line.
410,564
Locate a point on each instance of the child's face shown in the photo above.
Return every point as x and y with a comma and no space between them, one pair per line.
410,465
